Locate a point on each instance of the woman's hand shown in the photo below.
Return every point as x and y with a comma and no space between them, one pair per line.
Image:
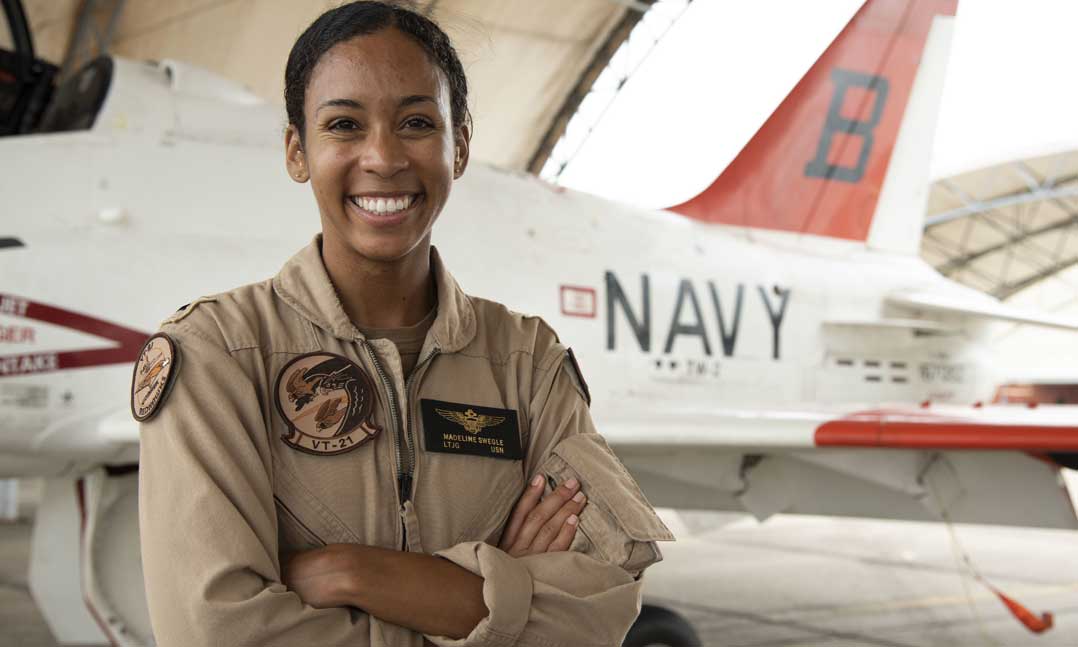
544,526
322,577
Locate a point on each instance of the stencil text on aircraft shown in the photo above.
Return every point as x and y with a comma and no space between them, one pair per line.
687,320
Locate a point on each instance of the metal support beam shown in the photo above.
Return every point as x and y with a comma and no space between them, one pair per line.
618,35
1009,289
1039,244
1026,197
94,29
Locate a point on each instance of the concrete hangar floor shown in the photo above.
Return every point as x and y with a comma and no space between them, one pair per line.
794,580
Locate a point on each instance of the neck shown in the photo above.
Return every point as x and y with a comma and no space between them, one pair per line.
382,294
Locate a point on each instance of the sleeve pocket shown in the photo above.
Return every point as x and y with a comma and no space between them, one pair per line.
618,525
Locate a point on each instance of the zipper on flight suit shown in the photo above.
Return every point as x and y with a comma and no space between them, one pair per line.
404,475
394,413
410,440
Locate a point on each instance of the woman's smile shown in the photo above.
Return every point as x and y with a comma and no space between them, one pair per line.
384,209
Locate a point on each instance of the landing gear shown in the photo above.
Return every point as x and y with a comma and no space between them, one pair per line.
659,627
85,568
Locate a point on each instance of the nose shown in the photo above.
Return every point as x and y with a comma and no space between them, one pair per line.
383,153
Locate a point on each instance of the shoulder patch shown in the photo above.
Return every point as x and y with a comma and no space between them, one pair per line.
579,376
155,370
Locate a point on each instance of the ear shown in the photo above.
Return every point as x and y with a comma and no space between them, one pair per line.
294,158
462,139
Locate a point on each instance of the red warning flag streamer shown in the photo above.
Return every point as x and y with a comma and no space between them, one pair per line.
1032,622
1024,615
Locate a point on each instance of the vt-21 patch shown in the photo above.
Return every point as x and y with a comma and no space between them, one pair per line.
454,428
327,401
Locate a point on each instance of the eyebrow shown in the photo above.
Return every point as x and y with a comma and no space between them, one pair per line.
346,103
409,100
413,99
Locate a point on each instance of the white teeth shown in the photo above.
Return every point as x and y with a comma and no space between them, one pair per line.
384,205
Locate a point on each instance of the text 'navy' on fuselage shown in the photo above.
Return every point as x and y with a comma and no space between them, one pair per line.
774,300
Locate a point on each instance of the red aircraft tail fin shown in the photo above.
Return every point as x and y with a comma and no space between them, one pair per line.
819,163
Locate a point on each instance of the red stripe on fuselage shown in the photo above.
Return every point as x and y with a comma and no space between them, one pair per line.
129,341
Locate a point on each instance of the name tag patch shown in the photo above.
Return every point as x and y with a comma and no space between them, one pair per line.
454,428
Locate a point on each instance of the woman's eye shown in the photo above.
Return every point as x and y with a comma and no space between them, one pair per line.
343,125
419,122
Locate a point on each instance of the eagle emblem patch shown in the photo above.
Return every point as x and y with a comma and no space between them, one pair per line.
154,369
328,402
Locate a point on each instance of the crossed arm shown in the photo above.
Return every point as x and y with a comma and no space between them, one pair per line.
426,593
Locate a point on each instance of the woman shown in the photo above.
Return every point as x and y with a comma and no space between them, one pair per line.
331,456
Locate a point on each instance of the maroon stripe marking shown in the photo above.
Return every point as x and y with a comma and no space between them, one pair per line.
130,341
80,322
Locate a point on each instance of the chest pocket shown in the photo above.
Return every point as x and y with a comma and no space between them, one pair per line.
618,525
464,498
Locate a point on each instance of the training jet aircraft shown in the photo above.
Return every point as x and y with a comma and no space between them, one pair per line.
774,344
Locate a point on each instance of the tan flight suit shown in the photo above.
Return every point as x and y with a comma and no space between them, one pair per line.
223,500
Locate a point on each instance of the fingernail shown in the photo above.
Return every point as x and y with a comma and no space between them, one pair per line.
537,481
578,497
572,484
572,520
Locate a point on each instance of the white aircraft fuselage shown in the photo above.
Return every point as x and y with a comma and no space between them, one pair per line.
671,319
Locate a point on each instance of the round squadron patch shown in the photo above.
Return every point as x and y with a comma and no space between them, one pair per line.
327,401
154,369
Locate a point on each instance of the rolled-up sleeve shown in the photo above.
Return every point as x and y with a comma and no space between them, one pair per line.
208,526
590,595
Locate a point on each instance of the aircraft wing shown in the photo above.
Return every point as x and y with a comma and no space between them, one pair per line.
979,308
993,465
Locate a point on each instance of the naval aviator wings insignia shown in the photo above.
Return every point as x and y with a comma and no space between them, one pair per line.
472,422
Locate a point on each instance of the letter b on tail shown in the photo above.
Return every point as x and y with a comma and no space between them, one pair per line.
836,123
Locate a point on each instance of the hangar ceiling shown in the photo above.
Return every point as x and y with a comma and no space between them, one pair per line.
529,63
1005,228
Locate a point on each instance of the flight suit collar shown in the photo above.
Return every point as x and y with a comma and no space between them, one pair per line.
304,284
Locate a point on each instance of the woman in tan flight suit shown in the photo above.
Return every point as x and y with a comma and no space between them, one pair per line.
336,456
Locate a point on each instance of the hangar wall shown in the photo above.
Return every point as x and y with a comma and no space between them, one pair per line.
522,57
51,22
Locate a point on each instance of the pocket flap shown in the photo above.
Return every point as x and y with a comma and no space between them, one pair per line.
611,485
308,510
